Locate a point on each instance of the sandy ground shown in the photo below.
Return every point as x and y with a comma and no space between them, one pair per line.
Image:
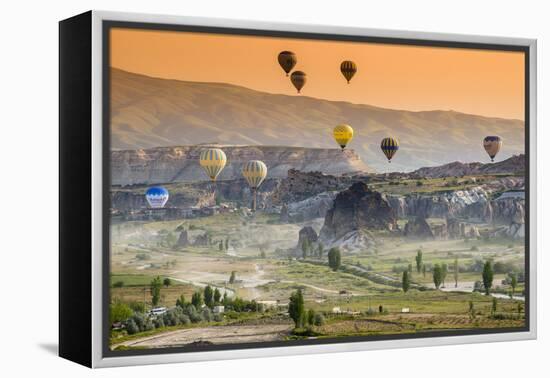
215,335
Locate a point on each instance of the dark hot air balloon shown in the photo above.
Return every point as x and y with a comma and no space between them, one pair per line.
492,145
287,61
298,79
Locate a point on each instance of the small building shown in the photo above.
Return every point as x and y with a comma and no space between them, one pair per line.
218,309
405,310
336,310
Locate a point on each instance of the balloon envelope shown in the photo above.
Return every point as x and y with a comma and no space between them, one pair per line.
348,69
298,79
342,135
287,61
389,147
156,196
492,145
254,171
212,161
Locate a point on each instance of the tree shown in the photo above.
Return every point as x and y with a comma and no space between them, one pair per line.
513,283
444,271
180,302
196,299
494,306
418,259
217,295
437,275
406,281
311,316
334,258
296,308
305,248
455,271
167,282
320,250
471,310
208,296
410,269
156,285
220,245
227,244
119,312
233,277
424,270
487,277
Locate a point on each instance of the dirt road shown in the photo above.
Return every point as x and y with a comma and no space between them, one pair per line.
215,335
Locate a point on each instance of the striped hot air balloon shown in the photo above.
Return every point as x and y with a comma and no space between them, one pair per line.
254,171
348,69
343,134
492,145
156,196
389,147
212,160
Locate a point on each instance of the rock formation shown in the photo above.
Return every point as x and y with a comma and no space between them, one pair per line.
357,208
418,228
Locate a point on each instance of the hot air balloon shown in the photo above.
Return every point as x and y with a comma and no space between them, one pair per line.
156,196
254,171
492,145
348,69
389,147
212,160
298,79
287,60
342,135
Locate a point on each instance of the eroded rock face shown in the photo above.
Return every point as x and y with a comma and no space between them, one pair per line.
355,209
418,228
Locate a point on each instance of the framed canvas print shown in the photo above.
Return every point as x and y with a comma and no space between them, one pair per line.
236,189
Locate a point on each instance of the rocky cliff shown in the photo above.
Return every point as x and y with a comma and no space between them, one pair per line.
357,209
163,165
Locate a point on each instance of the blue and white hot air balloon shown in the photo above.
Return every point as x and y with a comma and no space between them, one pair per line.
156,196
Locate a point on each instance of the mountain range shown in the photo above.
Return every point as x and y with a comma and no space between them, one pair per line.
149,112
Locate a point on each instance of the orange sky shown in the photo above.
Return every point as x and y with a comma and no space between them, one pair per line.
489,83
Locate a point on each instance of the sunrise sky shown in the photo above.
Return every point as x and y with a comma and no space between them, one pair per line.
489,83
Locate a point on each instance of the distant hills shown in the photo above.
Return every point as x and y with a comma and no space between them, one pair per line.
515,164
181,163
150,112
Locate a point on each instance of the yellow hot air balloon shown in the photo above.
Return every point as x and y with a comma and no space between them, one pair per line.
212,160
343,134
348,69
492,145
298,79
254,171
389,147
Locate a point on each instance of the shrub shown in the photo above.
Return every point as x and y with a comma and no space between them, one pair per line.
206,314
143,256
218,317
137,306
319,319
140,321
158,322
149,325
131,327
118,284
